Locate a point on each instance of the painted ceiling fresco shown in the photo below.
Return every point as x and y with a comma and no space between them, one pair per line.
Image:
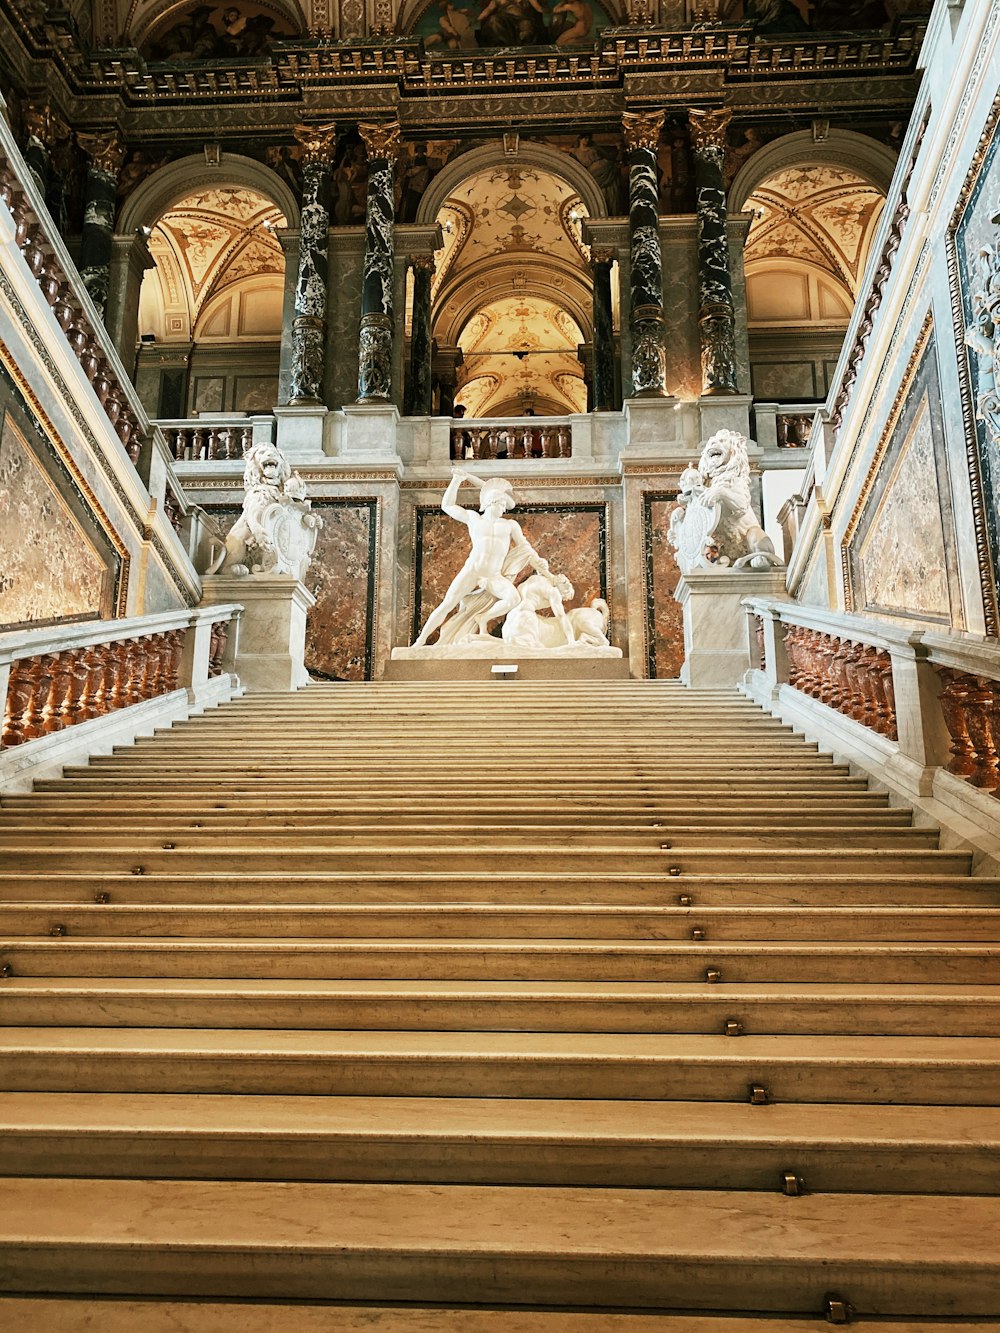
214,32
824,215
205,244
521,354
494,23
512,247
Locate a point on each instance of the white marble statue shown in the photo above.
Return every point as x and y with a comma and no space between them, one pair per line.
715,524
484,591
984,338
276,532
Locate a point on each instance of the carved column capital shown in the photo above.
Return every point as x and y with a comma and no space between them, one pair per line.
105,149
642,129
381,139
708,131
602,256
317,142
425,262
44,124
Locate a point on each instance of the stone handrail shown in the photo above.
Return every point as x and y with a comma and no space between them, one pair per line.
37,236
934,695
215,438
56,677
524,437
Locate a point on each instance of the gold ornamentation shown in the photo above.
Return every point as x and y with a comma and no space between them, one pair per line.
105,149
642,129
602,257
381,139
318,142
45,125
425,262
708,129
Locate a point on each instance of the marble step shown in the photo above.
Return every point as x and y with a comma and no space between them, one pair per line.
653,1249
739,963
483,1006
475,891
936,1071
118,856
480,784
43,1314
668,1145
365,922
345,833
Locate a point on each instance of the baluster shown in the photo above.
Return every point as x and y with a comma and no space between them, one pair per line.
17,707
793,651
157,657
179,446
980,710
143,666
953,700
565,442
246,439
217,647
60,687
116,695
856,703
175,638
40,678
758,629
76,685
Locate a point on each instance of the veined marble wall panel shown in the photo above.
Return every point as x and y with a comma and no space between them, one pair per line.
664,615
902,557
572,537
813,588
340,628
679,238
56,563
974,231
343,315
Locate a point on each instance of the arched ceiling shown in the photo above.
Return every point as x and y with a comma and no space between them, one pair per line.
513,277
813,220
524,349
210,241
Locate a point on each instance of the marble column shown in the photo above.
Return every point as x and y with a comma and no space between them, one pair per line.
381,142
420,386
649,360
44,128
604,332
106,152
716,317
309,322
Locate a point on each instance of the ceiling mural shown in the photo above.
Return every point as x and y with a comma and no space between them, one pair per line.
504,23
512,271
520,354
821,216
205,243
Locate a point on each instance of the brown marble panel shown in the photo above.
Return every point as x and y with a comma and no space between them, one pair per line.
664,616
340,627
573,538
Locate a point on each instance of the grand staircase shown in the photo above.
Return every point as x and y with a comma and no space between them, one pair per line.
492,1008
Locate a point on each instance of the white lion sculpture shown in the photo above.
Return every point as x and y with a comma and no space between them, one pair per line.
276,532
715,524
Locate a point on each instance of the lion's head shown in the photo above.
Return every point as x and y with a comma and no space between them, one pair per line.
724,460
265,466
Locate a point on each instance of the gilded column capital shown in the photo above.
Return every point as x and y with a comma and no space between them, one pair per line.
708,130
317,142
598,256
381,139
642,129
426,262
105,149
44,124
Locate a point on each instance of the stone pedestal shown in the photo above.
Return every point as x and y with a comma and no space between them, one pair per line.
484,661
300,432
724,412
369,433
272,627
717,650
654,426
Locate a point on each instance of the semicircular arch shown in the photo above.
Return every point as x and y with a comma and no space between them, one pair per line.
188,175
491,156
145,16
490,280
871,160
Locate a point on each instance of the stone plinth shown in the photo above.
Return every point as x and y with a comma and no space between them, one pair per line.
300,432
717,651
476,661
369,433
272,628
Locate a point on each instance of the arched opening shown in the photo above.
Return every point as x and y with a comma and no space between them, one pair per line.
512,312
210,312
805,255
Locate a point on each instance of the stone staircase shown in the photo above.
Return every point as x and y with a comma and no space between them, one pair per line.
492,1008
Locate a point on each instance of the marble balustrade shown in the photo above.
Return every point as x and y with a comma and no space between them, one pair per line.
36,236
936,695
55,678
193,442
472,441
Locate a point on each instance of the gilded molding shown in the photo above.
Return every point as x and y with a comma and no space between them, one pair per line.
708,130
318,143
642,129
381,139
106,150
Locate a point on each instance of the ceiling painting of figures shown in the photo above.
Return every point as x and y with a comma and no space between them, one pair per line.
506,23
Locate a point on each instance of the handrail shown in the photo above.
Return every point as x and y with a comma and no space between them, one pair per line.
58,676
934,694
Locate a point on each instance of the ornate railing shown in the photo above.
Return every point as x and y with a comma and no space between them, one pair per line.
215,439
540,437
68,674
932,697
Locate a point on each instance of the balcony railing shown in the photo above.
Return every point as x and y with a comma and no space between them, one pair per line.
525,437
214,439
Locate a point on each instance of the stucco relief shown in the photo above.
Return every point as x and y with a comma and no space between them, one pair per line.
49,568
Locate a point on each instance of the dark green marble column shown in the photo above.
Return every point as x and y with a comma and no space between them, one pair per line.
646,324
604,333
420,386
716,317
309,322
106,152
375,335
